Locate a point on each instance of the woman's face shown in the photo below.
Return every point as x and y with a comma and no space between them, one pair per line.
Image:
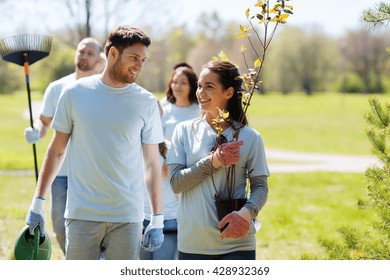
210,93
180,86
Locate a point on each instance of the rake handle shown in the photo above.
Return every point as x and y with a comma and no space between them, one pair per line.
26,73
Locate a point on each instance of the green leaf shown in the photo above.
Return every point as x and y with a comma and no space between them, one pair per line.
287,11
259,16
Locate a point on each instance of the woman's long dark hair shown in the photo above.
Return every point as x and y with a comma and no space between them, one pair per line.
229,76
192,79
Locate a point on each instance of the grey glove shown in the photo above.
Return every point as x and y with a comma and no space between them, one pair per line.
36,215
154,236
32,135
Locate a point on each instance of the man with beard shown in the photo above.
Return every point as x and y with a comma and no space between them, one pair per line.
87,59
113,128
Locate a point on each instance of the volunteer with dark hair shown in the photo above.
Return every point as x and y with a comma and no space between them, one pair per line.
113,127
181,105
86,60
192,161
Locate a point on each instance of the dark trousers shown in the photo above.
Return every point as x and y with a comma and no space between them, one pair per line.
237,255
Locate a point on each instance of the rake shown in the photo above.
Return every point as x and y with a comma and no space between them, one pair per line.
24,50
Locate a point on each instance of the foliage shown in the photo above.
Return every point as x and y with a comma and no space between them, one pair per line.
11,77
378,15
269,17
375,243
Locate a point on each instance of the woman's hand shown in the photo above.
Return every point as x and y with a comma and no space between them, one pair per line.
237,228
227,154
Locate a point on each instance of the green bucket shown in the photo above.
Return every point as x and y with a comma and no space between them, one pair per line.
32,247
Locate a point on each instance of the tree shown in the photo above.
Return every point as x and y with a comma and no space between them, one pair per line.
374,244
378,15
367,58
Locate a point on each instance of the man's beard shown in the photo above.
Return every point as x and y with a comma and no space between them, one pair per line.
84,67
119,76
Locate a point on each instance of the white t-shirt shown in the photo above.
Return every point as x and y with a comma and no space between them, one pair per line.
49,105
171,117
108,127
196,213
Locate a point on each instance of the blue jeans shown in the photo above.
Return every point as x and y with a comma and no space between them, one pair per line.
59,190
237,255
90,240
168,250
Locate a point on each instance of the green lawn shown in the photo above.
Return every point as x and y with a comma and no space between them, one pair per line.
300,209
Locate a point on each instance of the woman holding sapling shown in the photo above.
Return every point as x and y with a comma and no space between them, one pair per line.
210,160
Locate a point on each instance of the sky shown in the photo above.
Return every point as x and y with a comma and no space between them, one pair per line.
332,16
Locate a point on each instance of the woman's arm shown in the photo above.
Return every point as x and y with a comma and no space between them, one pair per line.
258,196
183,178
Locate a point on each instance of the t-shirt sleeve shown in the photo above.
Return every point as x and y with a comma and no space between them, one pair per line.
50,99
152,130
257,162
63,120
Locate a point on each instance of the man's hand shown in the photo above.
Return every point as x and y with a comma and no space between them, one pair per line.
32,135
154,236
36,215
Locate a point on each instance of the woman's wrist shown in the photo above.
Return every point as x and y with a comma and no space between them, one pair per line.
215,163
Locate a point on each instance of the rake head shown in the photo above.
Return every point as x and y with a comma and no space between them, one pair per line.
30,47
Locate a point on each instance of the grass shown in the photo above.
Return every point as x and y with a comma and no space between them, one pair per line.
301,207
323,123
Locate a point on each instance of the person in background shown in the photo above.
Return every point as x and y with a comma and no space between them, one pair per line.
163,100
181,105
113,127
198,172
86,60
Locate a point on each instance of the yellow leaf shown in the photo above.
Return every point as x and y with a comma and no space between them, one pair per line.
247,13
243,29
225,115
241,35
259,4
261,22
243,49
283,16
257,62
289,7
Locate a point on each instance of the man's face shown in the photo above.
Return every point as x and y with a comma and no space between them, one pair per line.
129,64
87,56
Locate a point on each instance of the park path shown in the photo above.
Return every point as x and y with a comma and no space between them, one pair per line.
279,161
293,162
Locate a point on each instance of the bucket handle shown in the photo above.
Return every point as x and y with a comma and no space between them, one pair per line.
36,243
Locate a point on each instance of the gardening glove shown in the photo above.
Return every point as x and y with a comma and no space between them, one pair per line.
154,236
36,215
32,135
229,153
238,224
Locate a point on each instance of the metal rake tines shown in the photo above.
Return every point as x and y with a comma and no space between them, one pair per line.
25,48
25,43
